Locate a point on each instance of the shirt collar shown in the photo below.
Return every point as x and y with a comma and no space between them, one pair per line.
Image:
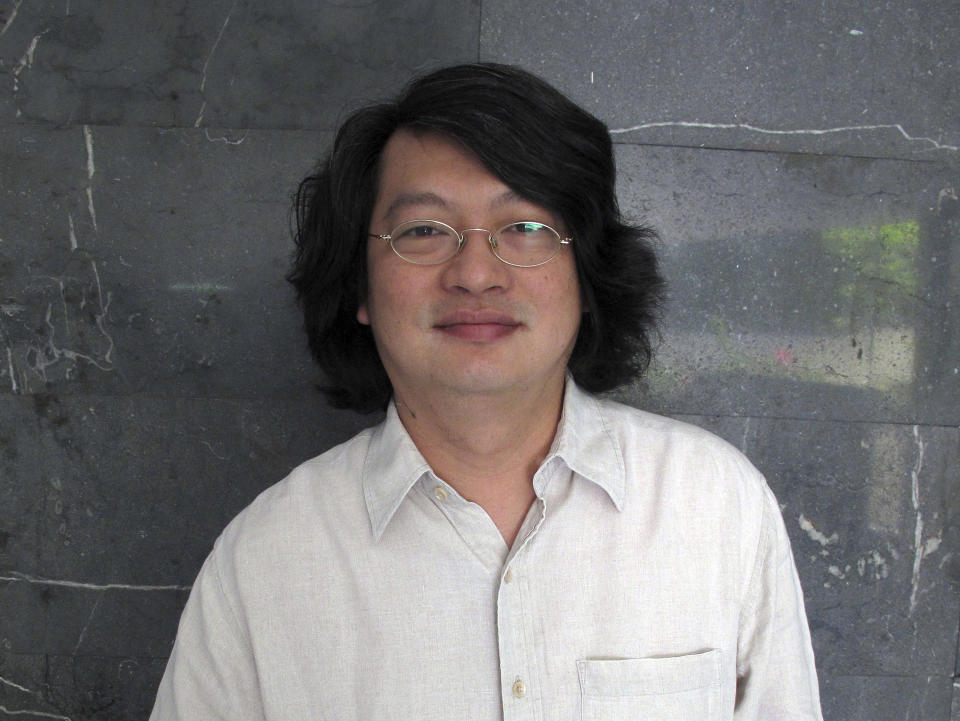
584,442
392,465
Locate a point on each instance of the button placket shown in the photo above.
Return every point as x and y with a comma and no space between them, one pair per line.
515,639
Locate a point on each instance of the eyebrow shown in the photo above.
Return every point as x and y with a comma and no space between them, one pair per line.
406,200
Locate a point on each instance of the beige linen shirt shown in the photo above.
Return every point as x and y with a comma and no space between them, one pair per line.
652,579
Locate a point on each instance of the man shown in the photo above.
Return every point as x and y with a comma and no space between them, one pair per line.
505,545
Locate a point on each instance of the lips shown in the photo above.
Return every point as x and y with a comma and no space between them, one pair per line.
477,325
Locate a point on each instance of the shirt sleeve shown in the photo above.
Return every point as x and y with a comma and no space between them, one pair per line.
776,676
211,674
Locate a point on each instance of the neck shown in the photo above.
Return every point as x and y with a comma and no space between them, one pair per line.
487,447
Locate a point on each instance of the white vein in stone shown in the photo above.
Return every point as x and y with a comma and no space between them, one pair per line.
63,302
73,235
101,316
91,170
223,138
96,276
28,712
83,632
11,684
13,15
52,354
918,524
814,534
88,141
746,433
210,448
16,577
772,131
13,375
25,61
91,209
206,63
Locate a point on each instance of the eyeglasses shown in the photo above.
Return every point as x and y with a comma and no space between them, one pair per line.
524,244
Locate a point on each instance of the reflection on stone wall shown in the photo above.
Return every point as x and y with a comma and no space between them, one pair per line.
153,377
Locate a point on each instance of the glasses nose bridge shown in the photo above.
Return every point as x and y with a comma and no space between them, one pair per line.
490,241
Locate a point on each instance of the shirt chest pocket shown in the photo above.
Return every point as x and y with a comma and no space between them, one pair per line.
676,688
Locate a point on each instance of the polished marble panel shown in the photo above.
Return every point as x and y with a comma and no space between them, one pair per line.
886,698
79,688
220,63
868,78
133,490
137,488
801,286
152,262
870,509
115,622
154,378
21,493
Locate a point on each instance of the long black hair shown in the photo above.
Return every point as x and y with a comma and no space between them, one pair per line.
538,143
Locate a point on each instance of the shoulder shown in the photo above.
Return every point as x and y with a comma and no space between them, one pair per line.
694,483
670,440
316,497
684,466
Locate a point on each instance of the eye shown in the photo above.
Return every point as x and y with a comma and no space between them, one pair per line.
417,229
525,228
526,231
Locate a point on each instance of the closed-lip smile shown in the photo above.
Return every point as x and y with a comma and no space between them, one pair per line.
477,325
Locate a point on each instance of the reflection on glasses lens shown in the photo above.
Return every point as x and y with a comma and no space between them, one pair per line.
526,243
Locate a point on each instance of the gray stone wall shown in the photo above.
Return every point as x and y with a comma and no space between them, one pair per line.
800,160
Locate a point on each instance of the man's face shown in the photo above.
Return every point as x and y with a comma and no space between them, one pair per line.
471,325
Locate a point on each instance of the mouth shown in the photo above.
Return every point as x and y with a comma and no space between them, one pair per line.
479,325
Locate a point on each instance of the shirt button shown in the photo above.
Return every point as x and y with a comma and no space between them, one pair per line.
519,689
508,575
440,493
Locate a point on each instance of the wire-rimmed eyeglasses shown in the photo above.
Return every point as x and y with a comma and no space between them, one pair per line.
523,244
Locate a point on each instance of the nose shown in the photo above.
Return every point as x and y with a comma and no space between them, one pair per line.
475,269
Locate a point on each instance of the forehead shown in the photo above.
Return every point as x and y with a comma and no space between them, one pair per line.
410,155
431,170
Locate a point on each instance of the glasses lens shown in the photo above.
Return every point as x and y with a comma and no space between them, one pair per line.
424,242
526,243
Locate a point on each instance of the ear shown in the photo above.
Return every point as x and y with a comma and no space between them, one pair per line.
363,317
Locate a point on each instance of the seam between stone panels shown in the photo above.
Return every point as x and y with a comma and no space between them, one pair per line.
816,132
825,675
909,424
734,149
479,30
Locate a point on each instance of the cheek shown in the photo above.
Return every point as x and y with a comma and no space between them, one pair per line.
566,298
395,297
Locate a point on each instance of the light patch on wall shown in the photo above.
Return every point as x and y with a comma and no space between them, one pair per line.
888,365
878,278
874,289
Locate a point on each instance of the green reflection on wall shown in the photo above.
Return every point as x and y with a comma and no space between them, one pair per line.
884,278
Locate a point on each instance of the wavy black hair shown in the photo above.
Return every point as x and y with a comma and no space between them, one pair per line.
538,143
